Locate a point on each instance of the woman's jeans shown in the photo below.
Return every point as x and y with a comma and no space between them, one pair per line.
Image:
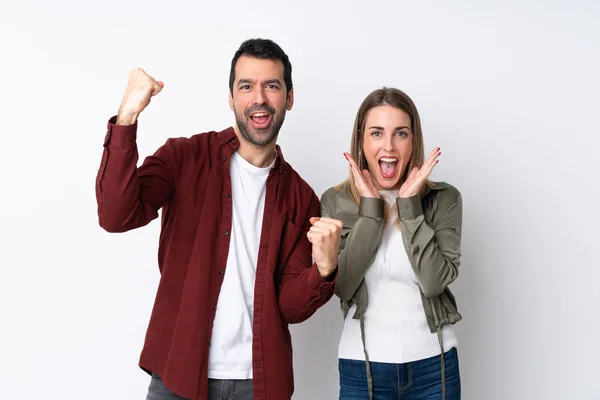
420,379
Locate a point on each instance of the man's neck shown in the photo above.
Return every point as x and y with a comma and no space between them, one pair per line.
259,156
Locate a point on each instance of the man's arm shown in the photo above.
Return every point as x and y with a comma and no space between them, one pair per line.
129,197
305,286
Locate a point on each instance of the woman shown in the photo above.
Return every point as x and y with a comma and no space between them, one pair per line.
399,251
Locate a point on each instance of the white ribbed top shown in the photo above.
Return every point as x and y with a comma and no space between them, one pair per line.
396,329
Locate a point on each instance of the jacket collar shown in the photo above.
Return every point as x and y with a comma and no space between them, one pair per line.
227,137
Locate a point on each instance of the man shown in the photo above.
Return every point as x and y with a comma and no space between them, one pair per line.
235,244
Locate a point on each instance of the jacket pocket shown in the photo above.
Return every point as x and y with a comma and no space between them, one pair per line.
449,300
289,237
451,310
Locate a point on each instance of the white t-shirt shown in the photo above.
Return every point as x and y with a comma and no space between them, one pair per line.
396,329
230,355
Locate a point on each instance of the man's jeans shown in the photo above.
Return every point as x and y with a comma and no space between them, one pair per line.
217,390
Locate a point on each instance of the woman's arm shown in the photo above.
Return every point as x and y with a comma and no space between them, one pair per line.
434,251
360,239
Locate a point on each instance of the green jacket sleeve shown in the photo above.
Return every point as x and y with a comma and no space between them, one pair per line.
360,239
434,249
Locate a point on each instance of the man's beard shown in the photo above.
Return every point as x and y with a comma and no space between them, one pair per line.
260,137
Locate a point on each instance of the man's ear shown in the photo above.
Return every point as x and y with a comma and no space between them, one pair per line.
230,101
290,100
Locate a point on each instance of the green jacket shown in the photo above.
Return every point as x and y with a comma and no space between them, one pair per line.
431,233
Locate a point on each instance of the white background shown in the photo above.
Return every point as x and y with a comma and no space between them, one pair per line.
509,90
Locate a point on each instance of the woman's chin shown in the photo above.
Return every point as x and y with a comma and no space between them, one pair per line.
387,184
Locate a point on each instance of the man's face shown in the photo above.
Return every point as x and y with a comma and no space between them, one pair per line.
259,99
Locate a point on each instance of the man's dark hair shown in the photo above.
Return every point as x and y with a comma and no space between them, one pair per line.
263,49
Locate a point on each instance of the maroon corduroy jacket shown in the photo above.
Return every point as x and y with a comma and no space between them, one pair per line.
189,179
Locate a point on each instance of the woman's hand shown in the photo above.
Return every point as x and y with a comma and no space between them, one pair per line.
362,179
415,183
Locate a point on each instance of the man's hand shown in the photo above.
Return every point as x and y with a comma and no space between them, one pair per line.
140,89
324,234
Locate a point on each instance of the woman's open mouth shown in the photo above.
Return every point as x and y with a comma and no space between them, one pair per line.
388,166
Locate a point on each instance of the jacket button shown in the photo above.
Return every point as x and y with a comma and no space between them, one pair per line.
228,195
224,158
234,141
222,271
214,308
226,232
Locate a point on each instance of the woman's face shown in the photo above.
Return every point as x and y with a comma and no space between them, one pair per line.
387,145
